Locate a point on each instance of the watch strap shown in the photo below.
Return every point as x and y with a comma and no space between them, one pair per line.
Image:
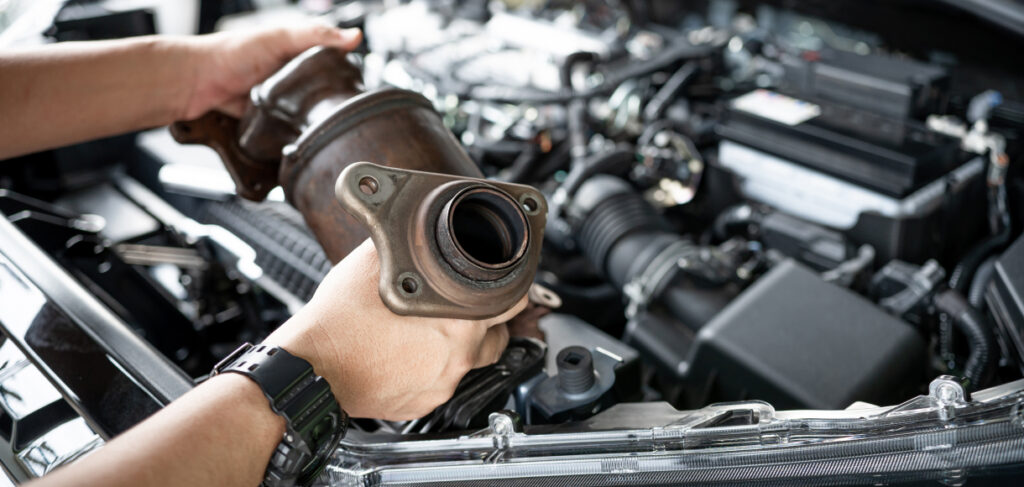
315,421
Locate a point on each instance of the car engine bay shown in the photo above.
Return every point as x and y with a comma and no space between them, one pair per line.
751,210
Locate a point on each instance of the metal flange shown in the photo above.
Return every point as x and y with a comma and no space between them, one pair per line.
449,246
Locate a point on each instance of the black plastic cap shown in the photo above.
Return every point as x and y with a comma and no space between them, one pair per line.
575,370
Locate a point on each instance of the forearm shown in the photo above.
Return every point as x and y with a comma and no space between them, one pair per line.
71,92
378,364
221,433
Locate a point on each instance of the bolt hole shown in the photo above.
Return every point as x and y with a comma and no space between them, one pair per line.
573,359
530,204
368,185
409,285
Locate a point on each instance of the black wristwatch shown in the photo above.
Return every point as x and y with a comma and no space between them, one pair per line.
316,423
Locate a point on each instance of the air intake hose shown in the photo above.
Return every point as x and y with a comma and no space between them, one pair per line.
637,250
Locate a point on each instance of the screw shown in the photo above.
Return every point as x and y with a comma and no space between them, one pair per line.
501,424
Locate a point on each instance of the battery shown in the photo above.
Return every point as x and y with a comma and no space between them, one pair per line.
840,142
890,156
894,87
931,222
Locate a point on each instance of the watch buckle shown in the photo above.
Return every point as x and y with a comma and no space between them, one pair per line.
227,361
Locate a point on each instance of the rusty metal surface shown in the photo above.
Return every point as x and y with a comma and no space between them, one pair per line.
294,98
404,211
395,128
311,121
253,179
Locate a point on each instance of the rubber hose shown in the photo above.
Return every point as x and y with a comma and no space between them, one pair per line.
661,60
964,271
976,295
734,219
577,109
617,217
610,161
668,92
980,340
1000,217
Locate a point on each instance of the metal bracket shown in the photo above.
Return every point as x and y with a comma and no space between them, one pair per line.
449,246
643,288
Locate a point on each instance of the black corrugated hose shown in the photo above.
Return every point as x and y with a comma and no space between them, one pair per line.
980,341
999,216
976,295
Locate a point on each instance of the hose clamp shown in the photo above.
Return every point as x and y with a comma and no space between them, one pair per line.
646,286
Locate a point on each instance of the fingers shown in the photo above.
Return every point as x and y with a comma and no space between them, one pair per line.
235,106
307,36
492,346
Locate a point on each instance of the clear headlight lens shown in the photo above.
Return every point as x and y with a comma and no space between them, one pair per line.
942,435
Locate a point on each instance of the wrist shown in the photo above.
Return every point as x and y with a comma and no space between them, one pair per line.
173,80
315,423
193,62
299,337
249,406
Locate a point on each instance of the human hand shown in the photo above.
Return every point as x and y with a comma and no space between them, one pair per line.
380,364
228,64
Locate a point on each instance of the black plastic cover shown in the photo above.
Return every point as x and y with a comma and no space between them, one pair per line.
845,142
797,341
867,127
793,340
896,87
1005,298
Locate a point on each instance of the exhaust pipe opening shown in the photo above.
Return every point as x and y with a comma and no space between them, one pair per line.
483,233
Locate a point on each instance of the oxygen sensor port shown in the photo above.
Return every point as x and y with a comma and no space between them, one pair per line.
483,233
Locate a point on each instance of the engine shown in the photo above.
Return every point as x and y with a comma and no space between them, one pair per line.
742,204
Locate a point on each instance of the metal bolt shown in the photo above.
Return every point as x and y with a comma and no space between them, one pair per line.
948,389
501,424
947,392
